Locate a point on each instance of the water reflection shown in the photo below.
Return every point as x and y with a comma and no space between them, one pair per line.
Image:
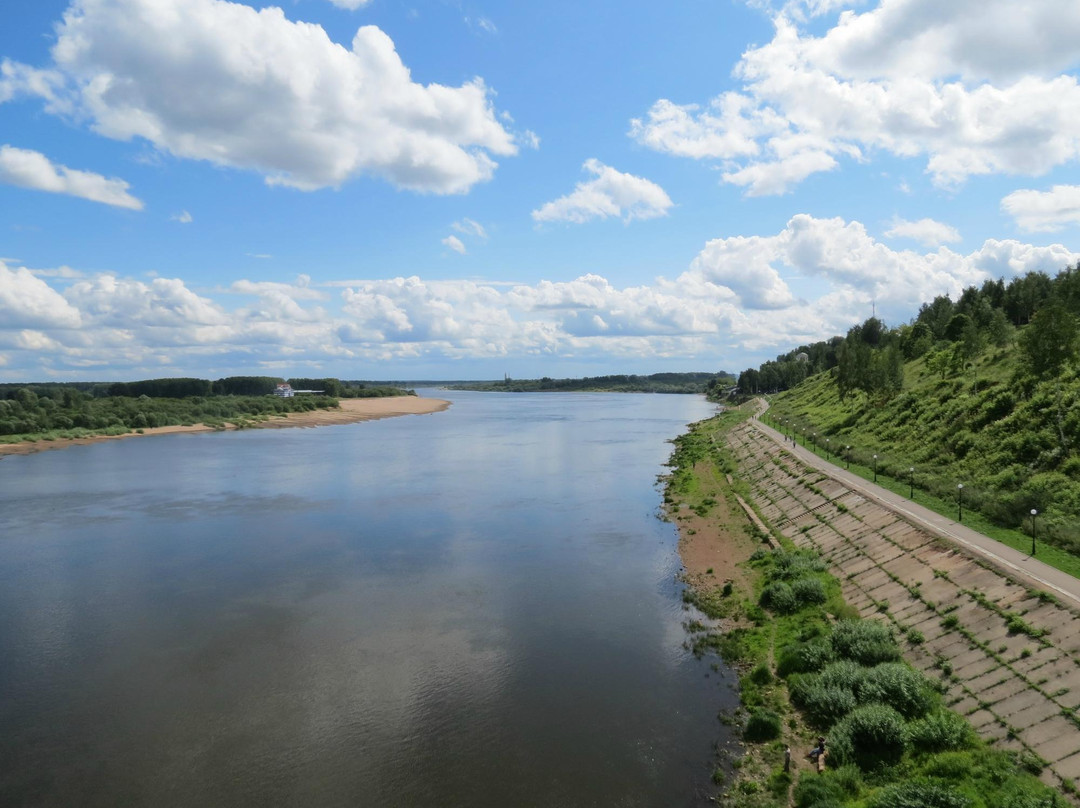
476,608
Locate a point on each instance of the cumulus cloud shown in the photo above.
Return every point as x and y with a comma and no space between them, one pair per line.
741,295
27,301
609,193
972,88
226,83
183,217
350,5
455,244
1044,211
31,169
927,232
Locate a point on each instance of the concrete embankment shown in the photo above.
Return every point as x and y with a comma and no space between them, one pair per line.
1007,652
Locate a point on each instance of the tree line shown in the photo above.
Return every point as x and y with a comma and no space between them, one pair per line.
1036,311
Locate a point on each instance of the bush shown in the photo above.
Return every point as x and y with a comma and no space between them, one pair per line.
796,564
808,591
761,675
817,792
845,673
920,793
824,705
864,641
763,725
902,688
941,731
779,598
869,736
805,657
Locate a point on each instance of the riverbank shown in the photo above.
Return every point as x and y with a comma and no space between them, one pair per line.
350,411
789,622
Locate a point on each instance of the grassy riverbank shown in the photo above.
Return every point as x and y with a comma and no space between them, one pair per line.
809,667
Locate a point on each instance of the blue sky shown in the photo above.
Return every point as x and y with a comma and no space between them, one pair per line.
390,189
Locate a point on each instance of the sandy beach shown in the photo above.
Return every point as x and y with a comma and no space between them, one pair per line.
352,410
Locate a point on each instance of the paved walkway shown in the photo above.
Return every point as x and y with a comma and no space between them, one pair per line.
1017,564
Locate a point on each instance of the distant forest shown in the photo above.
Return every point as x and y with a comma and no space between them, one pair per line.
76,409
656,383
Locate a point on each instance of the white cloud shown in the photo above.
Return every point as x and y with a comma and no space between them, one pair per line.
350,5
610,193
1044,211
226,83
742,295
971,87
183,217
33,170
470,228
27,301
927,232
455,244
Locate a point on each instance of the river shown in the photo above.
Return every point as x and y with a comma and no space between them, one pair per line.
473,608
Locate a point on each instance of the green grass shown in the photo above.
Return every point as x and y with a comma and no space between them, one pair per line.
1017,539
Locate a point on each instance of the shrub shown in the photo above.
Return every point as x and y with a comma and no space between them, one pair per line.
824,705
941,731
808,591
845,674
763,725
902,688
864,641
817,792
919,793
796,564
779,598
761,675
869,736
805,657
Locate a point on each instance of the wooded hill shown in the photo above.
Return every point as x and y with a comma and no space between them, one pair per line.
982,392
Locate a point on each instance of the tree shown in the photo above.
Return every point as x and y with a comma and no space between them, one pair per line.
1050,340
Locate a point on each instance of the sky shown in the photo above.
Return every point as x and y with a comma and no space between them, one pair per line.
448,189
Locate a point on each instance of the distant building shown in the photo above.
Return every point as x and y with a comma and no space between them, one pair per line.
285,391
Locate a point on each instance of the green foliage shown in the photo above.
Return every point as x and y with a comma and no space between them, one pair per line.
823,704
808,591
900,687
805,657
870,736
920,793
762,725
864,641
779,597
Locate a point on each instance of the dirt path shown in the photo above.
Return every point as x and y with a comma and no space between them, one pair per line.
1007,652
352,410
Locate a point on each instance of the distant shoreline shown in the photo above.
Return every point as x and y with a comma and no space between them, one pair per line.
350,411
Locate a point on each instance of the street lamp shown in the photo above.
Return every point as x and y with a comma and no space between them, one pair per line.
847,457
959,502
1033,515
813,438
827,455
911,483
875,468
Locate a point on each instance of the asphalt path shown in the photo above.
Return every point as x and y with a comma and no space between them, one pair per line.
1022,566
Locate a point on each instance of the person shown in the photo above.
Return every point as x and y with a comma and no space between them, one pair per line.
818,750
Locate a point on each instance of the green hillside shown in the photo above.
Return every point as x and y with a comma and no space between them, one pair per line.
982,392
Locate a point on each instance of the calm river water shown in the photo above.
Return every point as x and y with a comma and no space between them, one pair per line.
472,608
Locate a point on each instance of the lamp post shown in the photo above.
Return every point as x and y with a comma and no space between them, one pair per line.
875,468
847,457
1034,513
911,483
828,456
959,502
813,439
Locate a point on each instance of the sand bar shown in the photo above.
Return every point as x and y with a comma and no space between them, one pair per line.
351,411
